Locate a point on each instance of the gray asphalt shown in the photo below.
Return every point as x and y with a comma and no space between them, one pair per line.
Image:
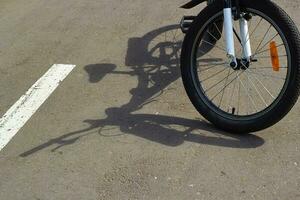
119,126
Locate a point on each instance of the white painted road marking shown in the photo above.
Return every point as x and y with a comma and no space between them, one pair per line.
16,117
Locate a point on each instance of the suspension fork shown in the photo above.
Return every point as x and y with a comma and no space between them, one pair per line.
229,32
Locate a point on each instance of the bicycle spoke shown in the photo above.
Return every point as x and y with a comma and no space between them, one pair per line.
218,29
263,86
211,76
249,98
247,91
225,89
239,96
204,53
216,40
213,45
213,63
260,68
266,43
254,29
219,33
267,49
279,56
226,86
231,97
259,94
263,38
216,84
208,68
267,75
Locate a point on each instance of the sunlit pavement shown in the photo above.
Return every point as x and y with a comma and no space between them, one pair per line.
119,126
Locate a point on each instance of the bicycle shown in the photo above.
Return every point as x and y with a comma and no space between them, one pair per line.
240,63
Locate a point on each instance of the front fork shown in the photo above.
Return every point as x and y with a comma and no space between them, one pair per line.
229,33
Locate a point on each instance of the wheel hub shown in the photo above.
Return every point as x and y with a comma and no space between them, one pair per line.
241,64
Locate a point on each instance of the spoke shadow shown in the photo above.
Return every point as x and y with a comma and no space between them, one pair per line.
154,60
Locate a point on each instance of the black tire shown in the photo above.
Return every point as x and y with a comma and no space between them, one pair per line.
210,2
244,124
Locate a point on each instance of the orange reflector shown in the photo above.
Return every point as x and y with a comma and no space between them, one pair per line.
274,56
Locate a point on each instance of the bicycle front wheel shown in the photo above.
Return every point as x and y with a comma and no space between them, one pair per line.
255,95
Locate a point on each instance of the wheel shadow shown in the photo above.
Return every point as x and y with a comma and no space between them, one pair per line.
154,60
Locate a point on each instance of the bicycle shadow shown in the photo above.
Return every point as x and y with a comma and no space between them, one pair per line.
155,62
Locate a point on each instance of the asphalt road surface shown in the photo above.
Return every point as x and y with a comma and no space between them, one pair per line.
120,125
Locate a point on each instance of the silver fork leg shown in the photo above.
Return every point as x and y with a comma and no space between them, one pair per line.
229,38
244,31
